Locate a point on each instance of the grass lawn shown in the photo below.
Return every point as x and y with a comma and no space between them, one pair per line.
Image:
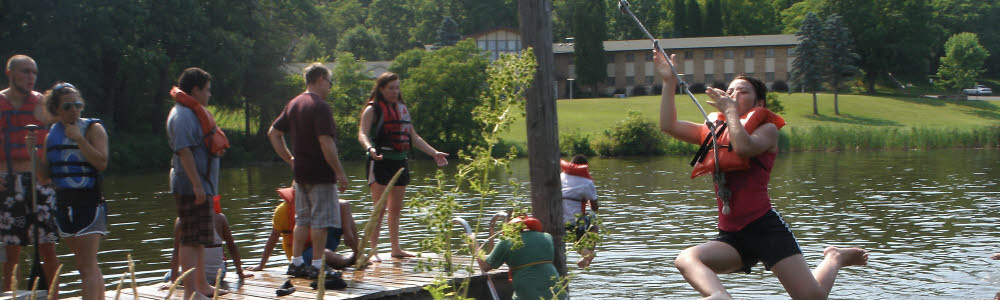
593,116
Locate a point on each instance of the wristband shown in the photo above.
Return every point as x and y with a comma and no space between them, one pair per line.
370,148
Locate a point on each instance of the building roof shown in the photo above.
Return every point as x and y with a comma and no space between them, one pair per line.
690,43
373,68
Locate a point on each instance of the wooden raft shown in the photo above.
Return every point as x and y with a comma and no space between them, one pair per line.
390,278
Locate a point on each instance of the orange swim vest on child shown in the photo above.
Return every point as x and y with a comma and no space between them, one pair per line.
729,160
214,139
581,170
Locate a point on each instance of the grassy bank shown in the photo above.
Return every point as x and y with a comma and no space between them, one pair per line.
865,122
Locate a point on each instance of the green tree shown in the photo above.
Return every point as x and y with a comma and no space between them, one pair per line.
808,69
650,12
951,17
589,56
713,18
679,17
406,61
442,92
963,61
368,43
310,49
841,58
692,25
392,19
350,88
447,34
791,17
749,17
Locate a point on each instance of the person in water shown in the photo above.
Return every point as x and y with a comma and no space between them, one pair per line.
578,190
533,274
386,132
751,231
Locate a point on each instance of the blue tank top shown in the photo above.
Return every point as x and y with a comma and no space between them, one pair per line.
67,166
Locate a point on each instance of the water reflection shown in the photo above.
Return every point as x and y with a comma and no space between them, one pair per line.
927,217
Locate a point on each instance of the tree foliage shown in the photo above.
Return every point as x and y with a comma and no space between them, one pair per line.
962,63
808,67
367,43
589,56
840,56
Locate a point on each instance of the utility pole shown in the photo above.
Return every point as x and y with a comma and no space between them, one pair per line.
543,132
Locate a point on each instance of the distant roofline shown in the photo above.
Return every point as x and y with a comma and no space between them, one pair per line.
691,43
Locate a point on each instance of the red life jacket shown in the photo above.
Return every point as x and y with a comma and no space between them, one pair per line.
13,120
729,160
575,169
215,140
392,127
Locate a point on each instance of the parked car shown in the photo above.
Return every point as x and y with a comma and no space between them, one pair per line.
978,90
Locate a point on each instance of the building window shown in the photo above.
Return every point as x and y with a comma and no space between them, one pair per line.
709,54
611,81
749,53
481,44
611,57
709,78
769,76
729,77
629,57
769,52
649,56
688,77
729,54
630,80
688,54
791,51
650,79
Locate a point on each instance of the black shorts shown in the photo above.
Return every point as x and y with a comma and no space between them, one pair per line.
766,240
381,171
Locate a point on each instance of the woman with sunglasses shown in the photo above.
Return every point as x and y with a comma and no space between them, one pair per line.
75,154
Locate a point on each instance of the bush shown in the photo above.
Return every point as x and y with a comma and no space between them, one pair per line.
779,86
572,143
619,91
633,136
657,89
639,90
772,103
697,88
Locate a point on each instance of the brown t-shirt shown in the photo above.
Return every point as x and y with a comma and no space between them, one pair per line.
305,118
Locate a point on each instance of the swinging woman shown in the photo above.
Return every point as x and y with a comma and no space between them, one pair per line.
750,230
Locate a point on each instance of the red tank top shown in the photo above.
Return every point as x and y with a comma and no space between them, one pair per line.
749,199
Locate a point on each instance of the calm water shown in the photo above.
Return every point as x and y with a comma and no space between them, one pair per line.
928,219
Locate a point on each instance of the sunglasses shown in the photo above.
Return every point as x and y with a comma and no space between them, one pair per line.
68,105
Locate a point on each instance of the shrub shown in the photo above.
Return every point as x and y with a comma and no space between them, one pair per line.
773,104
574,142
633,136
779,86
640,90
657,89
697,88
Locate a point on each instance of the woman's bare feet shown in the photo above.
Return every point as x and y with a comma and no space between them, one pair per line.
209,291
847,256
402,254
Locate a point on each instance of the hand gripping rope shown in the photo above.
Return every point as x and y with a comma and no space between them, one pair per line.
718,177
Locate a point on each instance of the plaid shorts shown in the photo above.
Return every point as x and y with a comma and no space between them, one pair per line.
316,205
196,222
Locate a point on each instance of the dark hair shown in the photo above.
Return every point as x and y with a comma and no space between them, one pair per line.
17,59
759,88
380,82
315,71
579,159
193,77
53,95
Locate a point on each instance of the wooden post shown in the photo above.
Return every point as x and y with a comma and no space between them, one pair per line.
543,132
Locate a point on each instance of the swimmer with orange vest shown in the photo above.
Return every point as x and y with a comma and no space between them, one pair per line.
750,229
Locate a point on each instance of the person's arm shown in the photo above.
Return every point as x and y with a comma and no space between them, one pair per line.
681,130
745,144
277,138
364,127
272,240
349,227
439,157
187,163
222,227
333,160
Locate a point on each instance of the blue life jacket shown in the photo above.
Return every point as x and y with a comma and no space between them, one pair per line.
69,170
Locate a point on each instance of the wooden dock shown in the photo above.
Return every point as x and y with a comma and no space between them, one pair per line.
390,279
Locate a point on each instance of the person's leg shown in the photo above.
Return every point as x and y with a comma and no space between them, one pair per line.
13,255
395,206
85,250
189,260
700,265
318,235
50,263
377,190
794,274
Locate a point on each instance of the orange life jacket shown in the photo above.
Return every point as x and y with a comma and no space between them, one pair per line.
729,160
392,127
215,140
581,170
13,120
